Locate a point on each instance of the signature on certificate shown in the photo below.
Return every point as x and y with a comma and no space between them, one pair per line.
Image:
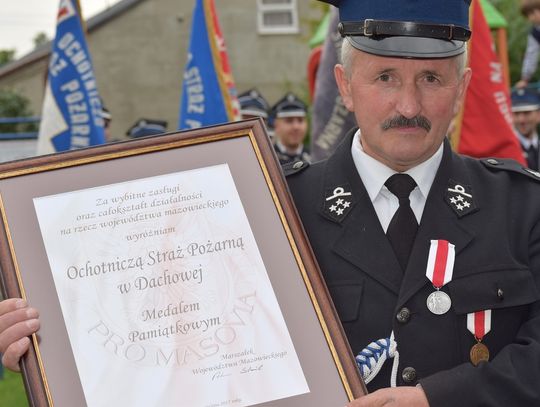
220,375
250,369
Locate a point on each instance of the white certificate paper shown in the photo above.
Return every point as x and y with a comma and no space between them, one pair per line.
165,296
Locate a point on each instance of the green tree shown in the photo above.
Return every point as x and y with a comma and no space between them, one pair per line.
517,31
40,39
12,104
6,55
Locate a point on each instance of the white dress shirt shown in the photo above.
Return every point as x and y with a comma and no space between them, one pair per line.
374,174
527,142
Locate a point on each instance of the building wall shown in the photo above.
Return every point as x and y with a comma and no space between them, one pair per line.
274,63
28,81
139,58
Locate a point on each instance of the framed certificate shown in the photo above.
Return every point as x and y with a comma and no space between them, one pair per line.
170,271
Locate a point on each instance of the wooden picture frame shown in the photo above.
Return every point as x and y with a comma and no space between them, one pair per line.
50,369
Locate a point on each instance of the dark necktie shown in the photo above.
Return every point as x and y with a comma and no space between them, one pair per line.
532,157
403,226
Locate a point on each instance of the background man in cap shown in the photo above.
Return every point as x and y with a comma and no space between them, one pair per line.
456,297
290,129
526,116
429,288
147,127
253,105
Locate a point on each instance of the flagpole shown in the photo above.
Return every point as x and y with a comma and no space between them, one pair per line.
502,47
81,19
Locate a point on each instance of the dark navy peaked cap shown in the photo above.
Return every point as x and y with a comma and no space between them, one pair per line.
289,106
252,103
405,28
147,127
525,100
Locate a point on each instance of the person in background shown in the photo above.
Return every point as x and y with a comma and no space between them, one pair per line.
526,117
290,129
530,9
253,105
147,127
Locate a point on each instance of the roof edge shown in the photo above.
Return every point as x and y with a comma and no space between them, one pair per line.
92,24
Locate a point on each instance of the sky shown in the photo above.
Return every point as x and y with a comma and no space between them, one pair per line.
22,20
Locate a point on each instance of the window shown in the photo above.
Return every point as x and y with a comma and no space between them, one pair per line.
277,17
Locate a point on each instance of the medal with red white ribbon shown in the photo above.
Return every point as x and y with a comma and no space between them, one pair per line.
440,268
479,324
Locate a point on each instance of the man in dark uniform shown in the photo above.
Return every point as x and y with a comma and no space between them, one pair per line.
432,259
290,129
452,303
526,115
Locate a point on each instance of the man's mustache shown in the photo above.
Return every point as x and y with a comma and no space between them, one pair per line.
402,121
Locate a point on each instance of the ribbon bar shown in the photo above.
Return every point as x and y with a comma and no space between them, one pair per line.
440,266
479,323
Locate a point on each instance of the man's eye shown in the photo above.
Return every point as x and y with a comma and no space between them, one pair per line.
384,77
431,78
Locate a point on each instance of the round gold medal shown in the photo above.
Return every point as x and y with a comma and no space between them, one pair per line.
479,353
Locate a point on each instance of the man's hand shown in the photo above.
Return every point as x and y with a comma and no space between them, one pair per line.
17,322
393,397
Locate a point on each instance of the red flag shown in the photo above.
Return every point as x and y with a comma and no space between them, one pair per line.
485,128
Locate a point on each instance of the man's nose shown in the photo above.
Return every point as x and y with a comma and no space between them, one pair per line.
297,124
409,100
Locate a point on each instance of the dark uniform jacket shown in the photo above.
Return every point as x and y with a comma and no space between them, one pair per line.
497,267
531,156
285,158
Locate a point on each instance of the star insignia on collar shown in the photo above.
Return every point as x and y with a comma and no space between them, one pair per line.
460,198
338,202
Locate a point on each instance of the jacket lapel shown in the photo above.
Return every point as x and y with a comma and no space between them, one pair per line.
364,244
361,240
440,221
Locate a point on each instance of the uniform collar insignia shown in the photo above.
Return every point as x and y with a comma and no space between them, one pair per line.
460,198
338,202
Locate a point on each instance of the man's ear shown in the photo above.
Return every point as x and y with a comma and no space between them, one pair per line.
464,84
344,86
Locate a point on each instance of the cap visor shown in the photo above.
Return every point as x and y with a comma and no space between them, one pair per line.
525,108
254,112
291,113
408,47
